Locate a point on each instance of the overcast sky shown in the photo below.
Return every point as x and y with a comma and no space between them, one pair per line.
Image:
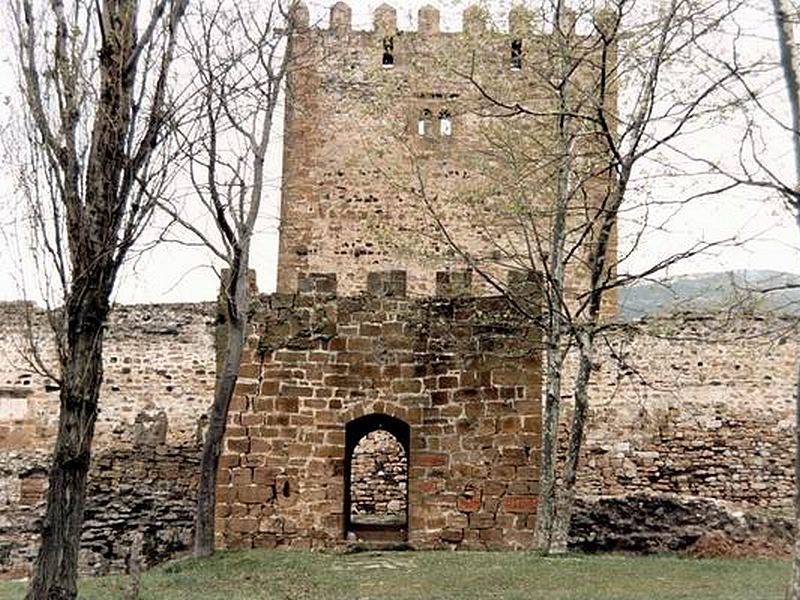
179,274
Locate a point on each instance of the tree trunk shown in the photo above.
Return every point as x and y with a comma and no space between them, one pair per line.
555,301
566,496
782,10
235,326
545,513
55,572
556,320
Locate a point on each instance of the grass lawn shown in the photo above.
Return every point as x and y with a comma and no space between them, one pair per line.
277,575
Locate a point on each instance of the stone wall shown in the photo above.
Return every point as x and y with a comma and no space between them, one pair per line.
159,377
682,404
462,373
158,359
695,405
363,190
133,492
379,480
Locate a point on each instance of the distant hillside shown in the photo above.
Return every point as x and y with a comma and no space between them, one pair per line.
704,292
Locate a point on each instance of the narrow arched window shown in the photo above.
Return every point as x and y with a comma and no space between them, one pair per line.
424,123
388,53
516,55
445,123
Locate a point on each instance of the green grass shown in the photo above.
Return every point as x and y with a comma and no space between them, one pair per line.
278,575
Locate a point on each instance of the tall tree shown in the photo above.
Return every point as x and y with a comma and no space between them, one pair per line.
240,58
555,165
93,78
786,17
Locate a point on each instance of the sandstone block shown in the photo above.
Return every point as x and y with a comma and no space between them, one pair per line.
520,504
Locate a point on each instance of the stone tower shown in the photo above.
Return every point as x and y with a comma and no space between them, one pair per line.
401,180
403,149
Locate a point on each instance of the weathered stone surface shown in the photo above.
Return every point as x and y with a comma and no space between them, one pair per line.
660,523
133,491
699,406
688,405
159,376
696,405
422,362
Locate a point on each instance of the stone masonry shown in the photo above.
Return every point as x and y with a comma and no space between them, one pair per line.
159,377
695,405
379,480
377,119
462,373
698,405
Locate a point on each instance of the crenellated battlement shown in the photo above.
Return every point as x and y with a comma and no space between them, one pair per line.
393,284
476,19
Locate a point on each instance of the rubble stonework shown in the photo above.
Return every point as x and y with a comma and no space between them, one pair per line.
159,376
651,523
379,479
157,359
462,374
695,405
132,491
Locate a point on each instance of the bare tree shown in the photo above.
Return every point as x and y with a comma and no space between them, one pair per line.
240,58
629,137
93,79
560,172
786,17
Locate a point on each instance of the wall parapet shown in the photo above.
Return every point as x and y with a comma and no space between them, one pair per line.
475,19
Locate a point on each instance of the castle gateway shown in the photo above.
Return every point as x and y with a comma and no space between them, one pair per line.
384,394
448,386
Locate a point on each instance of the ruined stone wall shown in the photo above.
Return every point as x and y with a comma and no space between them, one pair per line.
159,377
158,359
458,371
134,492
695,405
363,190
379,484
686,404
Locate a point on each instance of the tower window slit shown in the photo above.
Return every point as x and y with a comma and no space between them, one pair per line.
445,123
516,55
388,53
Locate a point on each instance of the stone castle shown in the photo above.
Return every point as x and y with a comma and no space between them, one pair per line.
384,394
454,377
